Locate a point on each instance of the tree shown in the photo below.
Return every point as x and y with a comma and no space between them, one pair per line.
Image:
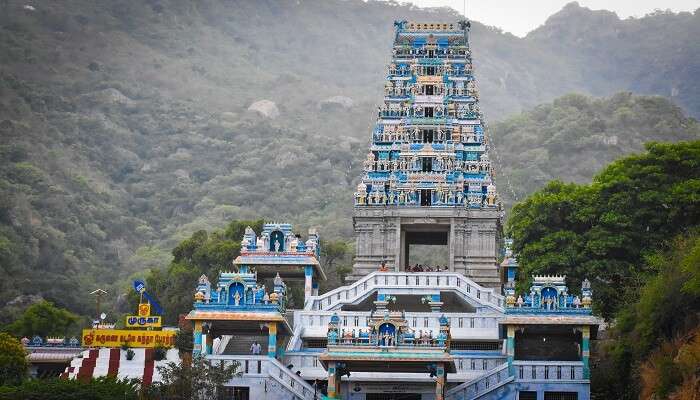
335,260
605,230
13,360
655,344
43,319
104,388
201,253
199,379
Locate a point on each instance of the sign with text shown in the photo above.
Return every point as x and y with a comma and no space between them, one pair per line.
137,321
131,338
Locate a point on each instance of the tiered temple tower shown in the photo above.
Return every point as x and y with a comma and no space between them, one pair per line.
427,177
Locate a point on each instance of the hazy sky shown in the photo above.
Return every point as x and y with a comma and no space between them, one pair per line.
521,16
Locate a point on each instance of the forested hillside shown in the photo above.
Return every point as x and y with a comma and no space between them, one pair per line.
125,128
575,136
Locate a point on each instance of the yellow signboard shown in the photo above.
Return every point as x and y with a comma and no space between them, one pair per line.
144,310
131,338
135,321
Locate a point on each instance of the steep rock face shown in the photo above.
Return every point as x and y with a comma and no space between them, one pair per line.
657,54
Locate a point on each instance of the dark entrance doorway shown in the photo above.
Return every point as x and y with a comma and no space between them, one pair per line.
427,246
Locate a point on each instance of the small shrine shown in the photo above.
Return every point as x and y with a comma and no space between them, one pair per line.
236,301
278,251
387,345
549,323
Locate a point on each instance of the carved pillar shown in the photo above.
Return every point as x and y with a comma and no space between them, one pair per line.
586,350
452,242
308,282
272,339
197,338
398,247
332,381
510,348
440,382
207,339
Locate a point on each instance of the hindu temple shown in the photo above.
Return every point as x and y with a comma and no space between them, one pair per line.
400,329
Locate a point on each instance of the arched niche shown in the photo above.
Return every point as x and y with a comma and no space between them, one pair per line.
549,292
236,294
276,237
387,328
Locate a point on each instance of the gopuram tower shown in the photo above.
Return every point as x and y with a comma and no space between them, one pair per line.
427,177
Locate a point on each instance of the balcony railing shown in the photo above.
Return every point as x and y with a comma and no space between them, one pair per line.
477,387
548,371
436,280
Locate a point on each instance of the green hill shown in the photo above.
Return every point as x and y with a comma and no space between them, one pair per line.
125,125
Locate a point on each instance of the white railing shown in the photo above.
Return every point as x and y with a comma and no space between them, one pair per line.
469,363
360,289
548,371
264,366
295,340
462,325
492,380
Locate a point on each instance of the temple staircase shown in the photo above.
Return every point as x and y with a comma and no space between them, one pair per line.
359,290
255,367
494,384
241,344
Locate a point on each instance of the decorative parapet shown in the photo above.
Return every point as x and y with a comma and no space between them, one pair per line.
38,341
389,330
549,294
277,239
240,292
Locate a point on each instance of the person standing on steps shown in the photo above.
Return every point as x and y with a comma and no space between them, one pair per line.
255,348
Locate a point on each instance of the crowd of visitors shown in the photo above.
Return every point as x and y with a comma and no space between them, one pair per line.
425,268
416,268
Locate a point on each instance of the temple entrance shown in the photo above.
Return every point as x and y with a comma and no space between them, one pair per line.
393,396
427,246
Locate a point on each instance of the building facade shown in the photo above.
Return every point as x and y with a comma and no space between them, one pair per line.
394,335
427,177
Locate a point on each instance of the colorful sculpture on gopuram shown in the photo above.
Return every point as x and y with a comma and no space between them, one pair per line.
427,178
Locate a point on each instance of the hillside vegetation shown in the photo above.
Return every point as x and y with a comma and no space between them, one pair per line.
125,128
575,136
633,232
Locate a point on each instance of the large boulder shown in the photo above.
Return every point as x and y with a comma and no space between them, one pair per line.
266,108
